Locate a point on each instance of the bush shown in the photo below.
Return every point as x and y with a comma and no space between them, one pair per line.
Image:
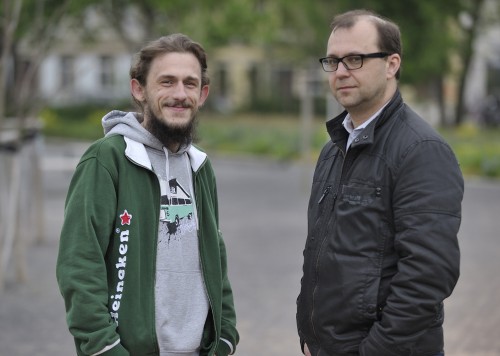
277,136
273,136
78,122
477,149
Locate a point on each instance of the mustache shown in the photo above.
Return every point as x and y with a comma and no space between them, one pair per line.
178,103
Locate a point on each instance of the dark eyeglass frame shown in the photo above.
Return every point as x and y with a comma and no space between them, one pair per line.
362,56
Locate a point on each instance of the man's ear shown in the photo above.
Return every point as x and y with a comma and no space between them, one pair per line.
203,95
393,64
137,90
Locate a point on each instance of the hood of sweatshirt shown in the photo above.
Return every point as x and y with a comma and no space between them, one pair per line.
128,124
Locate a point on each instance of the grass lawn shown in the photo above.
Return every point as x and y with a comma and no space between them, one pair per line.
280,137
477,149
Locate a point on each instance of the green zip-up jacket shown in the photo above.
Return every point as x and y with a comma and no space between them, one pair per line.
106,262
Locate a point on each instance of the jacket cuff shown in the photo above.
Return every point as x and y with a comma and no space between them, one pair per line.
117,350
225,348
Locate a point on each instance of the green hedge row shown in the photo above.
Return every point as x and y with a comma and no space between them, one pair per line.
277,136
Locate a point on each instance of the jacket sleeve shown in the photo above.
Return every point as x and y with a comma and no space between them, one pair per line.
229,334
427,212
81,270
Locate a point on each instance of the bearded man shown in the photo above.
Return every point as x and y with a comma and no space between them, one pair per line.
142,265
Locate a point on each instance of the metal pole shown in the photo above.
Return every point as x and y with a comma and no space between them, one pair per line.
11,220
307,114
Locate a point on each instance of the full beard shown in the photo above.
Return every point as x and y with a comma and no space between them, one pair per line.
170,135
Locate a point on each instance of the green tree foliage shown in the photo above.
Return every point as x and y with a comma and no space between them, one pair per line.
425,28
291,31
33,25
297,31
300,28
212,22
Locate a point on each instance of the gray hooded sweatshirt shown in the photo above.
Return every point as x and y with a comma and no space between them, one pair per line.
181,303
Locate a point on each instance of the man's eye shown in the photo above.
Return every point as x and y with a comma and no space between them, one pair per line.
353,60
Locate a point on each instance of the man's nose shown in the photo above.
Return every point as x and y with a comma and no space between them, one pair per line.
180,91
342,69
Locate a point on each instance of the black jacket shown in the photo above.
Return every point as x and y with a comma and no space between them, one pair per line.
382,252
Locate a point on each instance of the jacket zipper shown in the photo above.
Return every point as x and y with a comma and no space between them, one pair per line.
200,242
325,193
157,347
208,294
321,199
193,177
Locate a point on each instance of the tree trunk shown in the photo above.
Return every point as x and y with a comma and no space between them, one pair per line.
467,53
11,11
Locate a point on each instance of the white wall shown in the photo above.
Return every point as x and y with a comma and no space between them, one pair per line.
49,76
87,82
487,50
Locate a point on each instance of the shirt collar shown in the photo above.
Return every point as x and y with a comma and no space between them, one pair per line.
349,126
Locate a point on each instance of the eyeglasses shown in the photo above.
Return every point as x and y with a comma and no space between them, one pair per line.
350,62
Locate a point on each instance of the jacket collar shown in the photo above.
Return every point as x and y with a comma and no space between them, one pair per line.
136,152
339,135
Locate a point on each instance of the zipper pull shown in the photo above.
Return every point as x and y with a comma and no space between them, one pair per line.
325,193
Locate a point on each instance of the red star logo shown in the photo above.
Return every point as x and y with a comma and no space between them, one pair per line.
126,217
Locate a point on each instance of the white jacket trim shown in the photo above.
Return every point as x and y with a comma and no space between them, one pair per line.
137,153
107,348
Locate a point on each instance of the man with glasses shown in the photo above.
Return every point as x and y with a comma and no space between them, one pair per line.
381,252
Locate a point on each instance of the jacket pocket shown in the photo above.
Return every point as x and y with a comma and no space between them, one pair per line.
360,196
368,308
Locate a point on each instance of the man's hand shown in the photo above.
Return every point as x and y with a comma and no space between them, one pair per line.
306,350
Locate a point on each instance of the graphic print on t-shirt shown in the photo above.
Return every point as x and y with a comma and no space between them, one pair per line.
176,209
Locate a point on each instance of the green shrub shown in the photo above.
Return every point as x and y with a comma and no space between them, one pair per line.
477,149
277,136
490,166
78,122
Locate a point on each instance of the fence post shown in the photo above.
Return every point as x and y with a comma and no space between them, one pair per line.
21,197
10,220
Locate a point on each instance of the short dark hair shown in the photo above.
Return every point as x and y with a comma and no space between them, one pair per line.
174,43
389,35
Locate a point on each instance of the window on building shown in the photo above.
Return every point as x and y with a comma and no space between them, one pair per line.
221,78
220,97
107,71
253,78
67,72
283,87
